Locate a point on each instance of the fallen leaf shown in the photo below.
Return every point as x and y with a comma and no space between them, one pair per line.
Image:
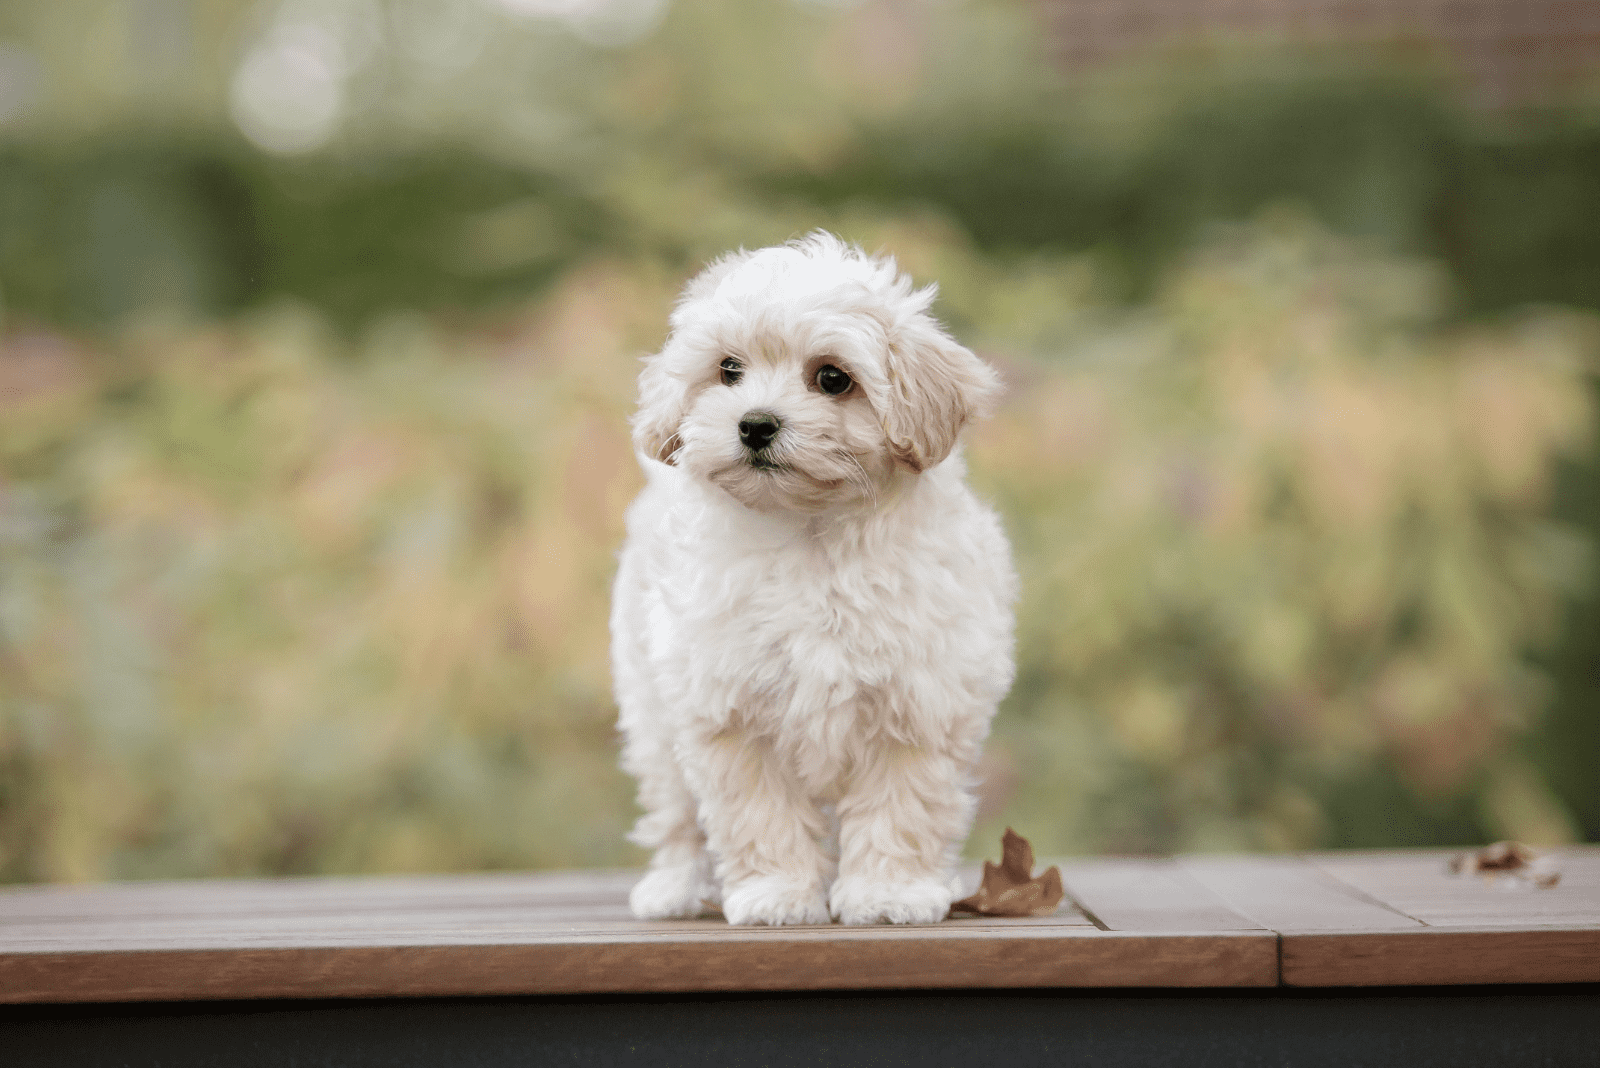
1508,864
1010,888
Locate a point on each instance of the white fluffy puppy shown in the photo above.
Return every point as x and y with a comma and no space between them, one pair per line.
812,619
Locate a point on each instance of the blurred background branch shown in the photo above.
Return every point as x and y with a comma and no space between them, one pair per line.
318,338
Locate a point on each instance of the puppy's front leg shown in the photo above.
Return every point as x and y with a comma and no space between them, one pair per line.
763,830
900,825
679,880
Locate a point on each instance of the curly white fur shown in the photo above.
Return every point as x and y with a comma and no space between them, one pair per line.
809,641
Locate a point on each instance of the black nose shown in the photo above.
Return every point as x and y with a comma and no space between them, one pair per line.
757,429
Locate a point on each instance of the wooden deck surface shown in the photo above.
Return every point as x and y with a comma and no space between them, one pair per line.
1356,919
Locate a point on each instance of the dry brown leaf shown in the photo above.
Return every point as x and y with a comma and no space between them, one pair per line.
1010,887
1509,864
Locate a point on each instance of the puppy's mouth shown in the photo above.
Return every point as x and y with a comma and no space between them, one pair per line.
771,485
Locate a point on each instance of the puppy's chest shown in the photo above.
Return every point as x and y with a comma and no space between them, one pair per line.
806,615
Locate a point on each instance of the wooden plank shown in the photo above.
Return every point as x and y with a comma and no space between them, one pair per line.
1198,921
1433,956
373,911
555,896
1419,884
1287,894
366,930
1475,933
257,897
736,959
1151,895
568,933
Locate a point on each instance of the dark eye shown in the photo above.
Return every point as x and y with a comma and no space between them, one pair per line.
832,380
732,371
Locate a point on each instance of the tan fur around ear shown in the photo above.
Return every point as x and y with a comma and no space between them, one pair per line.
662,400
935,386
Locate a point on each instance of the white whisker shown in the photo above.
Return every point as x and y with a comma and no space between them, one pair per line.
866,479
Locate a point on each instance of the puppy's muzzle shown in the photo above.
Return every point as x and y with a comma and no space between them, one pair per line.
757,429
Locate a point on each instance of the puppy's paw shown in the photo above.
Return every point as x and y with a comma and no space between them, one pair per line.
673,893
858,900
774,900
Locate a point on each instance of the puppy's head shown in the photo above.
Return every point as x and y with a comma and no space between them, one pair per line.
806,376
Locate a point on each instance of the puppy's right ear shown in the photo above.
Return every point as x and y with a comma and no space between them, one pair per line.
662,403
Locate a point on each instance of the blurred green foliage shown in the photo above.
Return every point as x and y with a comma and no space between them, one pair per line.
312,466
95,230
1276,529
273,602
271,606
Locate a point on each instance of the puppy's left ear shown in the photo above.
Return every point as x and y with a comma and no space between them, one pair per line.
935,385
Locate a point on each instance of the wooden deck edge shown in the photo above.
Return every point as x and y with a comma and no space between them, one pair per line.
1441,956
1098,959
